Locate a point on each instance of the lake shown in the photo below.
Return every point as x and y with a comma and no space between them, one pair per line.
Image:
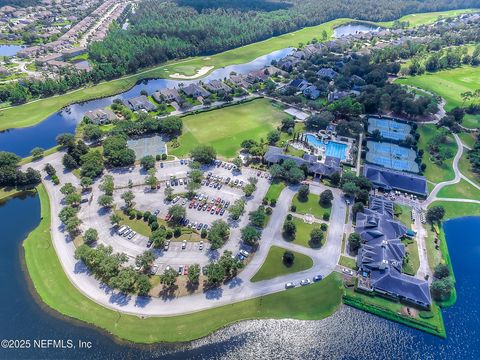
22,141
348,334
352,29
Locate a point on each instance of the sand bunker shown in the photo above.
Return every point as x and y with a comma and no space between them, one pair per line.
203,71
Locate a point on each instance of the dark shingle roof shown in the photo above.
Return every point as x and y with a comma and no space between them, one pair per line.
394,180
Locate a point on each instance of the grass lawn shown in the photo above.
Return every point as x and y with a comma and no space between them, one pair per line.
466,168
471,121
311,206
302,236
454,209
467,138
428,18
461,190
412,261
137,225
313,302
226,128
274,267
449,84
274,190
403,213
348,262
434,172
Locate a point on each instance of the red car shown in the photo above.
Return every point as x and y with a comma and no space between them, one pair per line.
191,205
185,270
218,210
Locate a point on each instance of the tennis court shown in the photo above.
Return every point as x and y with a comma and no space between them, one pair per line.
389,129
152,145
392,156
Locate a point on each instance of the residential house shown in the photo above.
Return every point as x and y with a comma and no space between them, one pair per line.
218,87
195,90
100,116
299,84
139,103
256,76
311,92
167,95
328,73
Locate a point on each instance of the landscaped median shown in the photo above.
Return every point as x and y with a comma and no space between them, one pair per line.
313,302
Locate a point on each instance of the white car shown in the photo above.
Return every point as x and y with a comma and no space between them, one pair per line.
305,282
289,285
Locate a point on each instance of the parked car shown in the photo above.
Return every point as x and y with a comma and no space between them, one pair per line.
184,244
317,278
305,282
180,270
289,285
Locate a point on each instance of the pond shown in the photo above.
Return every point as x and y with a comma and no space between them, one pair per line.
353,28
10,50
22,141
348,334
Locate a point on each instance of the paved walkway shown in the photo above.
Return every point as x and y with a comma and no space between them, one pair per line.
238,289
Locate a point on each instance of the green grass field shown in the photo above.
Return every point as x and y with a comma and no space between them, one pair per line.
311,206
454,209
449,84
302,236
412,262
468,139
403,213
312,302
428,18
273,265
462,190
226,128
466,169
274,190
348,262
433,172
471,121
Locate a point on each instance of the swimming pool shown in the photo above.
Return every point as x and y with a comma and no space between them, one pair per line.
332,148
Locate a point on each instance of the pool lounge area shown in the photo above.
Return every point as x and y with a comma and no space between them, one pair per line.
328,147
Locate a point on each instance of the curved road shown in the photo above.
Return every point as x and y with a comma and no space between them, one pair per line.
237,289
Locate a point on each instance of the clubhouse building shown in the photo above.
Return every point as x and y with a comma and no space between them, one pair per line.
380,258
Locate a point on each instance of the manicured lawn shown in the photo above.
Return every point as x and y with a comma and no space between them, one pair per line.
302,236
434,172
403,213
449,84
137,225
348,262
466,168
311,206
226,128
274,266
461,190
428,18
316,301
471,121
412,263
454,209
274,190
468,139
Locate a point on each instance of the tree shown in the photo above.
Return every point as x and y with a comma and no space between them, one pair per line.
65,139
116,151
289,229
354,240
435,214
303,193
441,271
107,185
66,213
92,164
238,162
69,162
237,209
287,123
194,273
176,212
128,197
218,234
151,179
144,261
86,182
250,235
350,188
158,237
316,237
326,198
125,280
258,217
441,289
37,153
215,273
204,154
335,179
143,285
357,207
90,236
50,170
92,132
67,189
148,162
169,277
115,219
249,189
273,136
229,263
168,192
105,201
73,199
288,258
72,225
